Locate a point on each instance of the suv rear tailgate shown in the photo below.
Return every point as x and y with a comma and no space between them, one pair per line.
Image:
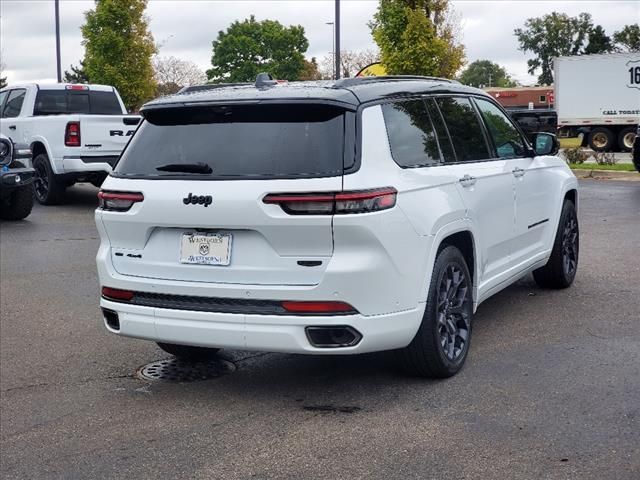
245,153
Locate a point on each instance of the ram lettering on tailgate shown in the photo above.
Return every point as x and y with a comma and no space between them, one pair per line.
121,133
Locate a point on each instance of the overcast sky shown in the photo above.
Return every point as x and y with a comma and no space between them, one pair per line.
185,28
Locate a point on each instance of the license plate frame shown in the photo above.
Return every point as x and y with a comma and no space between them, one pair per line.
197,248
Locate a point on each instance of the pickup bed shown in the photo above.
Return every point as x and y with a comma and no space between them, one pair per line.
76,132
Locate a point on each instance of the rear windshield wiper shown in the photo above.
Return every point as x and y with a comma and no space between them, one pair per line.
185,167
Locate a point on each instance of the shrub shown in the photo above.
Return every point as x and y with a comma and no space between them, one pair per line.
575,155
603,158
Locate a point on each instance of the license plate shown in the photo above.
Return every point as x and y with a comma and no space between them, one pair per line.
205,249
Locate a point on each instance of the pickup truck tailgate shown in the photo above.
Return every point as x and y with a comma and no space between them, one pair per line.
106,134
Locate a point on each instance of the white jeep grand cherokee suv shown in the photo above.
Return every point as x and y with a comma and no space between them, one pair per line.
344,217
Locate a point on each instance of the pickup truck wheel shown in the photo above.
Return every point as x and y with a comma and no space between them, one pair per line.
601,139
18,205
560,270
49,190
440,347
189,353
626,138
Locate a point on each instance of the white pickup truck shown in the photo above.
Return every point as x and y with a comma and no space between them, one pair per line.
76,132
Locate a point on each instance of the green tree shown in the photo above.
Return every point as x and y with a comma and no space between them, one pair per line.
118,49
628,39
76,75
599,42
251,47
3,80
417,37
485,73
311,70
552,35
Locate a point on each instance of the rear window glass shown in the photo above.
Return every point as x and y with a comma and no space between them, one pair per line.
237,142
57,102
464,129
411,137
441,130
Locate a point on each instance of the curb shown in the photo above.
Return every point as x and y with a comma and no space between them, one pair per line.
606,175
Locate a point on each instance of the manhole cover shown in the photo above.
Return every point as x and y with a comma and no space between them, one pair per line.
176,370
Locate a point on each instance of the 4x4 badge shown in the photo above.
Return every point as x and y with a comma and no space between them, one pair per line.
198,200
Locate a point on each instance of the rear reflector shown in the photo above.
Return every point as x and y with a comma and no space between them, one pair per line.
318,307
72,134
118,201
117,294
332,203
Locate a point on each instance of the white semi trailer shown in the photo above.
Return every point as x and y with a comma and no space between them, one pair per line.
599,96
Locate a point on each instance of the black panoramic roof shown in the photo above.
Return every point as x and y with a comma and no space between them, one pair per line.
348,93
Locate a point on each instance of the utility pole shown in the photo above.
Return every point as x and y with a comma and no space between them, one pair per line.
336,47
333,49
59,65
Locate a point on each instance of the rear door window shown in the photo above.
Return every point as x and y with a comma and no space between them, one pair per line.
411,136
464,128
506,138
60,102
441,131
257,141
13,106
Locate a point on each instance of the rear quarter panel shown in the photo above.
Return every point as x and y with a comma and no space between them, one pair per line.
428,204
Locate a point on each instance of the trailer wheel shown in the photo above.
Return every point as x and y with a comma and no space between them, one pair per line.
601,139
626,138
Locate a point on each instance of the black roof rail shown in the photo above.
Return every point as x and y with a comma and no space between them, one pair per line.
350,82
208,86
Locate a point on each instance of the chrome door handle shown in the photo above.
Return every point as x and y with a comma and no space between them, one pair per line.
518,172
467,181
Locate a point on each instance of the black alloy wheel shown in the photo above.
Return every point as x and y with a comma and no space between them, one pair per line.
570,247
562,266
453,307
41,182
441,344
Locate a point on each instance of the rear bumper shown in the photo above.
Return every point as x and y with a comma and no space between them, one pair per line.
77,164
260,332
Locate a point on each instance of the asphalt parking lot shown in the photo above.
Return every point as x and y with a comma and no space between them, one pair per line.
551,389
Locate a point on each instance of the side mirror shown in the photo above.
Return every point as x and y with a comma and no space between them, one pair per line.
545,144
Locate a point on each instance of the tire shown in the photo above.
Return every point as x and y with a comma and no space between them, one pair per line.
560,270
18,205
189,353
626,138
601,139
48,188
441,344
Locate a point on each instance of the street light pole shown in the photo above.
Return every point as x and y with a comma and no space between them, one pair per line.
336,47
333,48
58,63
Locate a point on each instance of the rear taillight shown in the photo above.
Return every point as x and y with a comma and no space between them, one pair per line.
318,307
72,134
117,294
118,201
335,203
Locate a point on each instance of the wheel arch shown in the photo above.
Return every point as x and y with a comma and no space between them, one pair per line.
459,234
39,145
572,194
